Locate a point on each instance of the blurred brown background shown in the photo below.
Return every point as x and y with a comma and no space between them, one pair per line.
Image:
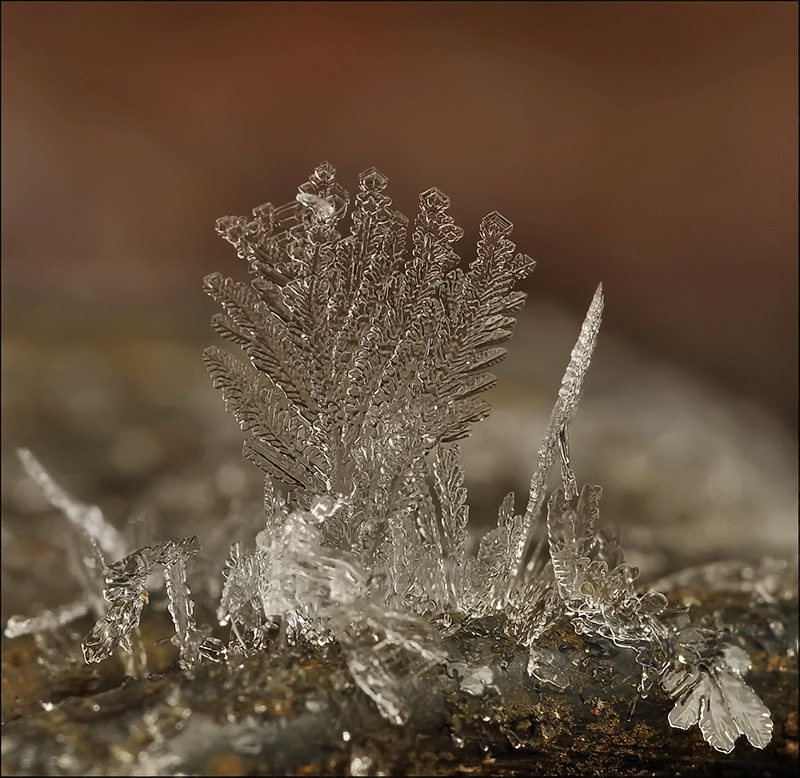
652,146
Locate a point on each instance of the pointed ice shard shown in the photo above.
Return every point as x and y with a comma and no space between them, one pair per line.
86,560
563,411
47,620
88,517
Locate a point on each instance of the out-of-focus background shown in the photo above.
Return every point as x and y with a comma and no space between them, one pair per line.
651,146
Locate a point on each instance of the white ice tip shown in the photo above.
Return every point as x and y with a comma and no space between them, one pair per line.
32,466
598,302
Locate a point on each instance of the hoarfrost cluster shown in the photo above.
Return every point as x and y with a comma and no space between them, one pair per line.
364,365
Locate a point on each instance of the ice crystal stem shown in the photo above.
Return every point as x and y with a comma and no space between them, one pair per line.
568,479
453,515
181,608
88,518
47,620
134,659
91,533
126,590
563,411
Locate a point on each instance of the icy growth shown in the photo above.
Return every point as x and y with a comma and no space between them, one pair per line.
91,540
711,692
192,641
47,620
593,579
699,671
523,554
388,653
126,590
363,364
302,571
362,361
513,571
116,593
87,518
454,513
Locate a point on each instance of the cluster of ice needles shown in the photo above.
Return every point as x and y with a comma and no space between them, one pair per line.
365,365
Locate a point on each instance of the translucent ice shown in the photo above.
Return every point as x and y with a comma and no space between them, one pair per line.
362,365
713,695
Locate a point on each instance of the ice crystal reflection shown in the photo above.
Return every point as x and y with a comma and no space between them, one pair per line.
364,364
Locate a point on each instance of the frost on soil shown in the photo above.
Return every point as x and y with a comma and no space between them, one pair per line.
363,363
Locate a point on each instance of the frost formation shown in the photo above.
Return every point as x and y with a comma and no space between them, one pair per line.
364,364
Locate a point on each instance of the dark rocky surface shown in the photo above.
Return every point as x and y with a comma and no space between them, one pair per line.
298,712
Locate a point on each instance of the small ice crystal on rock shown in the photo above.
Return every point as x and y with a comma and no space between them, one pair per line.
477,681
126,590
363,365
711,692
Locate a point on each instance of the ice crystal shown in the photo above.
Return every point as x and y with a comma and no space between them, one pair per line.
593,579
364,360
476,681
523,557
192,641
126,590
92,541
365,364
388,652
88,519
47,620
710,692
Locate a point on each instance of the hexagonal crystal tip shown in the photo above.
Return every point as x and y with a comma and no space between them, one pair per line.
324,173
372,180
434,199
495,223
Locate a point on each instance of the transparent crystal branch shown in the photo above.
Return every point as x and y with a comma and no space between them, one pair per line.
89,531
47,620
126,590
562,413
454,517
190,640
87,518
